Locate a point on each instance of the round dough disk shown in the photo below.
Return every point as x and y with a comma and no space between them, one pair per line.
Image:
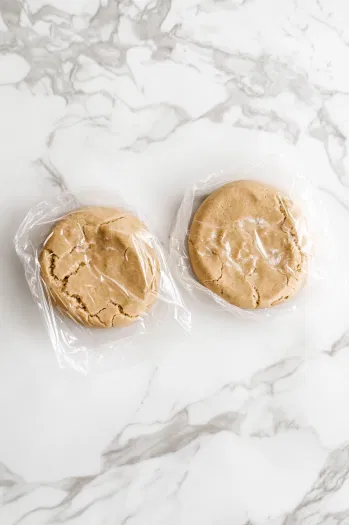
99,267
246,244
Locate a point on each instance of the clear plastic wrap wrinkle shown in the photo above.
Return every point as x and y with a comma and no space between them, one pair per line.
99,277
249,241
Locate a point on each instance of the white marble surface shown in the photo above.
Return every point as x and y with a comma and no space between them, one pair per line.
235,425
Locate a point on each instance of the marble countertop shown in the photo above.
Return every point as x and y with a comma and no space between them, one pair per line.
233,425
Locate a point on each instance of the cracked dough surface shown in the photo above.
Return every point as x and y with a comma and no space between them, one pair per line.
99,268
246,243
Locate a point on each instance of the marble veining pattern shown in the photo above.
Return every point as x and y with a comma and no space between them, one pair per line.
244,426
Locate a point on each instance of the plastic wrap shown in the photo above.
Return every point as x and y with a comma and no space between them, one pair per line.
99,277
248,240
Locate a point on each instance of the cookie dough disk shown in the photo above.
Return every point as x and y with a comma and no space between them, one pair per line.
246,243
99,267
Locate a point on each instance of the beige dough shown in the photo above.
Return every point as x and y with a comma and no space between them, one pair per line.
247,244
99,268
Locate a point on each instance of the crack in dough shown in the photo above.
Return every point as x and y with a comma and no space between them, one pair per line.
80,302
112,221
99,274
292,236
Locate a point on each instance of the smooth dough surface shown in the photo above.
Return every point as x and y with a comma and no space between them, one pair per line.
99,267
247,244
